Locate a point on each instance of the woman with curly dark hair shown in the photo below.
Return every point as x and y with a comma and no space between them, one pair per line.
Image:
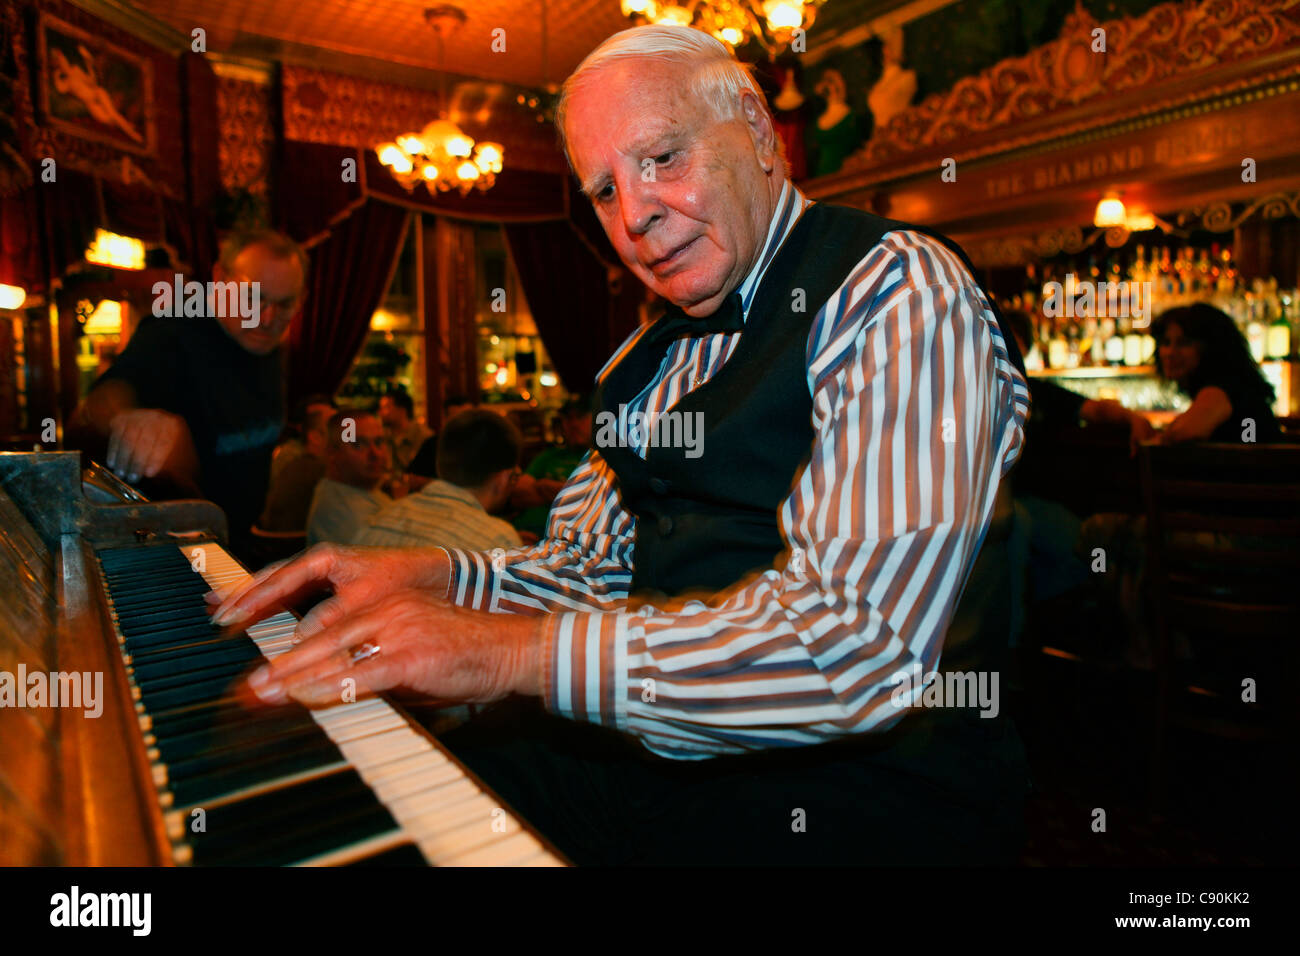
1202,350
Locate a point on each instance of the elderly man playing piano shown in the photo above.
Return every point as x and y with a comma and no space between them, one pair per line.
716,639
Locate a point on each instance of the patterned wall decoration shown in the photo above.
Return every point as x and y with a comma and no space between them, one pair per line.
341,110
331,108
244,112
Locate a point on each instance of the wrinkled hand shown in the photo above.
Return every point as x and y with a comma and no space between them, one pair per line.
144,441
425,644
1140,430
357,577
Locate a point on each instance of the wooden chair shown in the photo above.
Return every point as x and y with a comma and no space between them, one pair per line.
1223,538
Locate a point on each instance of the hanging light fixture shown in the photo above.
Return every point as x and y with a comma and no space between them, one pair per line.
442,156
1110,212
771,22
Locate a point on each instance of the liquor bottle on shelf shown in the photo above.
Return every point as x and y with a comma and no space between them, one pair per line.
1132,345
1090,345
1147,347
1058,349
1203,283
1138,270
1278,346
1032,289
1113,349
1166,282
1256,332
1227,273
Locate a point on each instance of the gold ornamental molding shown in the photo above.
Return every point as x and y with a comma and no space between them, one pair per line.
1171,42
1218,216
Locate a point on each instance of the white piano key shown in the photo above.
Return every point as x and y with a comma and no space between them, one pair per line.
437,807
512,849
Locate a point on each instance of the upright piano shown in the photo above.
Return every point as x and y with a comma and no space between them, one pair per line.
163,766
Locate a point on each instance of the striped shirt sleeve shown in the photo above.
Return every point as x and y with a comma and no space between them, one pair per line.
584,562
917,412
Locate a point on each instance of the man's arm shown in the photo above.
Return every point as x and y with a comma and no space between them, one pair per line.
585,560
136,442
918,412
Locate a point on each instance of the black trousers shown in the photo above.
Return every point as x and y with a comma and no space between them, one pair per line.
945,787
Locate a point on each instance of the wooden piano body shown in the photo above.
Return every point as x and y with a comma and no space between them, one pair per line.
77,790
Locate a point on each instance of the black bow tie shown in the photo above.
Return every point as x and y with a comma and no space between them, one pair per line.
675,323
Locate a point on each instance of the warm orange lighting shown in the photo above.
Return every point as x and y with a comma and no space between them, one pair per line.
1110,213
120,252
12,296
105,320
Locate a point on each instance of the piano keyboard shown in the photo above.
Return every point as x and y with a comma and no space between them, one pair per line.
354,783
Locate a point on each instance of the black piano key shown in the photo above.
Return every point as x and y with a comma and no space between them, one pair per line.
209,717
199,692
191,656
163,637
317,837
145,622
195,790
233,826
174,747
188,678
212,748
305,738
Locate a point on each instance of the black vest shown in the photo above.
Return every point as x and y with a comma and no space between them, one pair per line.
705,523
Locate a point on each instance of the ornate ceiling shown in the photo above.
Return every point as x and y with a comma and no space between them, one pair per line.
360,36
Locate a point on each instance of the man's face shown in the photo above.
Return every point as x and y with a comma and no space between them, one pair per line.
685,199
280,291
391,414
362,462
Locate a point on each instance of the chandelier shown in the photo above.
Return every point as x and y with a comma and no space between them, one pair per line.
442,156
771,22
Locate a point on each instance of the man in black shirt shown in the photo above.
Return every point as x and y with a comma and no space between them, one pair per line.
196,404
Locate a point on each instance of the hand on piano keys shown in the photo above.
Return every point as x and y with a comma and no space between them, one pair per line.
414,640
384,790
387,599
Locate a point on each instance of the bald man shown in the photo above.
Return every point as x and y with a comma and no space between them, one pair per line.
745,587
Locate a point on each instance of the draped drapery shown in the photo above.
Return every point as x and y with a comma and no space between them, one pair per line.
583,300
350,270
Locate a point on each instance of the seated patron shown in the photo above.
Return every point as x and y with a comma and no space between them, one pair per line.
405,434
478,455
1202,350
349,496
548,471
294,484
294,441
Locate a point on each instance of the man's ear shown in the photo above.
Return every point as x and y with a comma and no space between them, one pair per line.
761,130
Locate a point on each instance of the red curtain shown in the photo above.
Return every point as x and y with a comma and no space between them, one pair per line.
583,299
350,270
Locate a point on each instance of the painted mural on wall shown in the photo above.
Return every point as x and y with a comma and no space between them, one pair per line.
94,89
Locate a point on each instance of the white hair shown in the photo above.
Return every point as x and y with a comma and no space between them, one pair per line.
717,76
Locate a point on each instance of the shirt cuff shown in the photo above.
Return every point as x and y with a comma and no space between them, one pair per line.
472,583
584,661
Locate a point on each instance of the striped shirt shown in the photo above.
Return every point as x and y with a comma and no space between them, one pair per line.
438,515
917,413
